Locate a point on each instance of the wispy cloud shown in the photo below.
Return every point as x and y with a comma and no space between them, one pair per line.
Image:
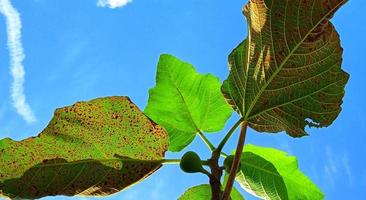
113,3
337,165
333,167
13,25
347,168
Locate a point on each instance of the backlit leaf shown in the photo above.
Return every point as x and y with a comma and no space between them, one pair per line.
203,192
185,102
271,174
261,178
287,74
85,150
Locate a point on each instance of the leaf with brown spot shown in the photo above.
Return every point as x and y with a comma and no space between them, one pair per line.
93,148
287,74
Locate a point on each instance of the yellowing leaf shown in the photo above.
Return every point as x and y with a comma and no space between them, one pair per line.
93,148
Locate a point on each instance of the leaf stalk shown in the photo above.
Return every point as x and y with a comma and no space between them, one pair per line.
170,161
229,134
206,141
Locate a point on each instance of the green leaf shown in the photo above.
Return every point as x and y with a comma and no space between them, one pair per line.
185,102
271,174
287,74
93,148
261,178
203,192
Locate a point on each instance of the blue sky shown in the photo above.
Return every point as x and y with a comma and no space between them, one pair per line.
76,50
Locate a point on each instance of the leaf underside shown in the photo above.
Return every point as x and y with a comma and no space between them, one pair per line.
271,174
83,151
185,102
287,74
203,192
261,178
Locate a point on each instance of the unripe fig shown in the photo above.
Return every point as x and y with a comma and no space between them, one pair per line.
228,162
191,162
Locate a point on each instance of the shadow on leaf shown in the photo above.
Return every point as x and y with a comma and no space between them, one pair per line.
83,178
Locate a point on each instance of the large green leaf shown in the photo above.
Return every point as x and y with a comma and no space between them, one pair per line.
85,150
203,192
287,74
271,174
185,102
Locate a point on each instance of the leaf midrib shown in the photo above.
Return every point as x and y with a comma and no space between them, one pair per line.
183,99
93,161
259,94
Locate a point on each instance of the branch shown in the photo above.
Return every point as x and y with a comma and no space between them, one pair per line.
215,176
236,162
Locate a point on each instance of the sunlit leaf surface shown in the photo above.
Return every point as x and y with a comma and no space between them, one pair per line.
185,102
85,150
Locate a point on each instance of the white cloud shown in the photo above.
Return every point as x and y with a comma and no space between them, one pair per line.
13,25
113,3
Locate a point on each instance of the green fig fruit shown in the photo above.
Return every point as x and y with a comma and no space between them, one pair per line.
228,162
191,163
